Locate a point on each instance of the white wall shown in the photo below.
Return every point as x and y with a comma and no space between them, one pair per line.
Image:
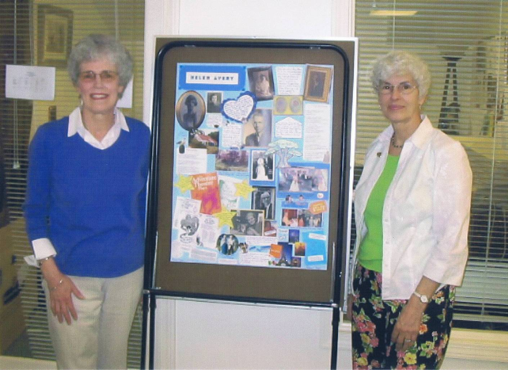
212,335
249,18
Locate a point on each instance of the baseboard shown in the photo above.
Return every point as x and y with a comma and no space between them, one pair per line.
21,363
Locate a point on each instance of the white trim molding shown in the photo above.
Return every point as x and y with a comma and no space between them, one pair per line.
162,18
343,23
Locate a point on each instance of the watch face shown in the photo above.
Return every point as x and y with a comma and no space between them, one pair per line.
424,299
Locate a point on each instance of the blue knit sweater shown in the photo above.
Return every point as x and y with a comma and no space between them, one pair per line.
90,203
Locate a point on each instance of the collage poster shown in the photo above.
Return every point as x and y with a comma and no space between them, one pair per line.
252,168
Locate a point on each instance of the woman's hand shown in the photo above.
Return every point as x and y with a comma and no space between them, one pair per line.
60,297
61,288
408,324
407,327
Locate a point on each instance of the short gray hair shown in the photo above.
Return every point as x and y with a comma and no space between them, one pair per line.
398,63
96,47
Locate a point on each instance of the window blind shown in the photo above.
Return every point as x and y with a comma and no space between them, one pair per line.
25,33
465,44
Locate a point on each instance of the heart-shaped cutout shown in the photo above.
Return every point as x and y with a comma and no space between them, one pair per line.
241,108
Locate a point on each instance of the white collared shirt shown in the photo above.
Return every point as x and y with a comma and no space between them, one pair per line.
76,126
43,247
426,210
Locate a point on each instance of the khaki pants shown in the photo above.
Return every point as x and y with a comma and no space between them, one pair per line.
98,339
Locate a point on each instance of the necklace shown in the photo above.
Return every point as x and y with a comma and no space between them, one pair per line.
392,141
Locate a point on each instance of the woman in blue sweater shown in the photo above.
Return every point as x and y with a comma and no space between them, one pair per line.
85,211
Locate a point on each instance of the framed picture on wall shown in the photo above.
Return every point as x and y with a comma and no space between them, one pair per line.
54,41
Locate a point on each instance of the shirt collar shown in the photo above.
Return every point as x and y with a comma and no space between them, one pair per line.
76,123
420,136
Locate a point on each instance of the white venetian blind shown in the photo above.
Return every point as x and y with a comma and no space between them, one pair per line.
465,44
22,27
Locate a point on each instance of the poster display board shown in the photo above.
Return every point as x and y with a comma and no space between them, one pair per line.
248,189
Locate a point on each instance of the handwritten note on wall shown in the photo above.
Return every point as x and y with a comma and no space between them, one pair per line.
30,82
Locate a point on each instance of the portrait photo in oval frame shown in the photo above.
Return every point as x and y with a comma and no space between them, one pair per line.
190,110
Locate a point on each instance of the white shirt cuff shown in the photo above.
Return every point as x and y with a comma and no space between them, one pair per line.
42,249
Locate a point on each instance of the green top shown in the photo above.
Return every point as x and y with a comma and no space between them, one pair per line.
371,249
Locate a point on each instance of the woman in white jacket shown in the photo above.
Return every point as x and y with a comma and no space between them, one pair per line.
412,206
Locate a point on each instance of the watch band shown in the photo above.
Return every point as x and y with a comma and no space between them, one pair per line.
423,298
43,260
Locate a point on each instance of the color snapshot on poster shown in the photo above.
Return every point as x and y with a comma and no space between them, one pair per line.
252,168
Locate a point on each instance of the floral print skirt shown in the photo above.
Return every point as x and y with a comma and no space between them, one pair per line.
374,319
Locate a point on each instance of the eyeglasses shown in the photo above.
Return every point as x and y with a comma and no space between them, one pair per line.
91,76
403,88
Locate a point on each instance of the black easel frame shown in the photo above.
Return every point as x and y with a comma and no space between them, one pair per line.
151,292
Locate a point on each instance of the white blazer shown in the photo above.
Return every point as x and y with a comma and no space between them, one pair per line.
426,210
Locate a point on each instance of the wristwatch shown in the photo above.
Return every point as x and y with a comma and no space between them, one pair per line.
43,260
423,298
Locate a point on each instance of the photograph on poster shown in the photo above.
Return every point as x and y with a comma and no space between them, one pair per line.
282,255
190,110
307,219
248,223
213,102
296,262
257,130
232,160
301,202
295,179
205,138
227,244
263,198
271,228
289,201
261,82
299,179
294,235
317,83
300,248
244,194
288,105
261,166
289,218
296,202
295,105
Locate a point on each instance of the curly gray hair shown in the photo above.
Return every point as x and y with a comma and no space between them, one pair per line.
399,63
96,47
